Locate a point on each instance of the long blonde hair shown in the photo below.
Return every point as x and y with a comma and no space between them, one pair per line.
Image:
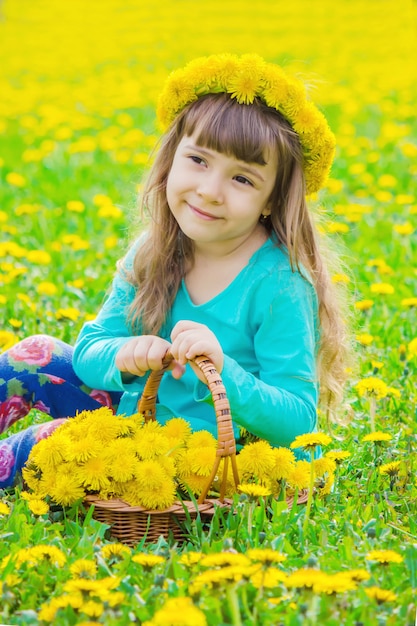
246,132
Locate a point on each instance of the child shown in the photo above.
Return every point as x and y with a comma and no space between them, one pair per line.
229,268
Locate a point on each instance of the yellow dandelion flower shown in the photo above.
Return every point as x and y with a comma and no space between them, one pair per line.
199,461
177,428
254,491
121,458
365,339
150,441
299,476
404,229
50,452
194,483
324,465
266,555
83,568
358,574
412,348
363,305
380,595
372,386
190,558
384,556
334,583
92,608
382,289
48,553
38,507
390,469
223,559
305,577
268,578
338,455
112,550
377,437
179,612
409,302
15,179
256,459
148,560
284,460
66,489
202,439
310,441
4,509
94,473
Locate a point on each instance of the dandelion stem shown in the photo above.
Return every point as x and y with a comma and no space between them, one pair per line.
310,493
234,605
372,412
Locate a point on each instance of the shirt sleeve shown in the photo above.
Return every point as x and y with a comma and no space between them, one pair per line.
99,340
280,401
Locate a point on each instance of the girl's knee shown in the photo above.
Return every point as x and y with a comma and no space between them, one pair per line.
37,350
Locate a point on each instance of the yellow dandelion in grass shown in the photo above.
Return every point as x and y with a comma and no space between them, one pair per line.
365,339
390,469
254,491
409,302
268,578
256,460
384,556
358,575
4,509
178,612
323,466
332,584
267,556
299,476
310,441
225,559
380,595
92,608
148,561
115,550
403,229
377,437
193,483
372,387
190,558
66,489
15,179
382,289
338,456
305,577
46,288
83,568
7,338
412,349
48,553
363,305
38,506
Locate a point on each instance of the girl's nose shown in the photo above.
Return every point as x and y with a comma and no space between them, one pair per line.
210,187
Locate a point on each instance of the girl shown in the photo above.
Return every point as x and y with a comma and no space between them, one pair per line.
229,267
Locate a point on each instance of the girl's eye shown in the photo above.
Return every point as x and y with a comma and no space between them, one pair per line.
197,159
243,180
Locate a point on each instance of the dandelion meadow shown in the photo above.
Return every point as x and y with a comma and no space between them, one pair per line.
79,83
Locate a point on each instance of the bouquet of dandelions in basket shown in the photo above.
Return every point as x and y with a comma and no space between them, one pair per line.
147,464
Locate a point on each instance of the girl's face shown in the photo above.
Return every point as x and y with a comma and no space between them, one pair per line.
216,199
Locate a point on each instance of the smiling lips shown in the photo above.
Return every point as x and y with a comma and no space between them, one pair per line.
202,214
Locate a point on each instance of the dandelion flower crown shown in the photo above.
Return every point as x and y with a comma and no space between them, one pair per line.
246,78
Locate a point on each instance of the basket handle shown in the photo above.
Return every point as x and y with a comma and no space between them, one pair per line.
226,444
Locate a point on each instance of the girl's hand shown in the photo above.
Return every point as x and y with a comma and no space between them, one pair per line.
190,339
144,353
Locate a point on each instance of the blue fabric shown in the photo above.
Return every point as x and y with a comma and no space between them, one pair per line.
266,323
37,373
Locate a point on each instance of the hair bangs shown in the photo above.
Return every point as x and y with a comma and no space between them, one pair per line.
216,121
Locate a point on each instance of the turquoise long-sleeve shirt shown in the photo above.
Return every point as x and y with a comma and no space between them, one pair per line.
266,323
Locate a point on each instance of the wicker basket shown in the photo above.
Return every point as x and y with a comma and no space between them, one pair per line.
131,524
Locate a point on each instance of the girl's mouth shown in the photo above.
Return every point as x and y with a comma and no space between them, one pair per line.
202,214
